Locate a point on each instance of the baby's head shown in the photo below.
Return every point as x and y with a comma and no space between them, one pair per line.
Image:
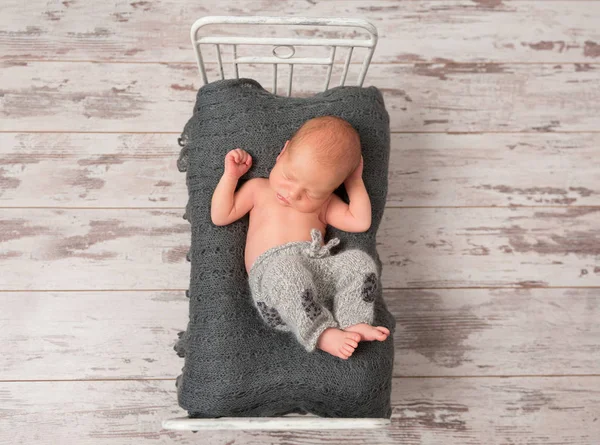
315,161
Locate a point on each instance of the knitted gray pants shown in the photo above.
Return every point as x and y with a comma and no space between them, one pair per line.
303,288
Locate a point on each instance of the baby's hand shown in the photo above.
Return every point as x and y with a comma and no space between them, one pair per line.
237,162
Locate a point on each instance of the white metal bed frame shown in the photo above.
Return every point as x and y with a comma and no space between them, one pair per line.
279,42
290,421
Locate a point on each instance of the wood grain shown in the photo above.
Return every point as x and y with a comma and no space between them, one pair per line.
424,31
91,335
85,249
444,332
94,170
433,411
492,103
455,97
490,247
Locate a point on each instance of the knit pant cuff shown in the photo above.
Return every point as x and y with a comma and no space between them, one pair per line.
310,343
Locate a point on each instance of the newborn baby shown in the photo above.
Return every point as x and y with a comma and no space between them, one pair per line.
293,277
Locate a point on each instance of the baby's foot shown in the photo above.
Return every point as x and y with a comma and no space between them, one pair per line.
368,332
338,342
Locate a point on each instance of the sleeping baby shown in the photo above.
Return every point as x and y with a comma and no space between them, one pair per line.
294,279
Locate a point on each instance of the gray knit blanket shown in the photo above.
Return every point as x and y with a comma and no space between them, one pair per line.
236,365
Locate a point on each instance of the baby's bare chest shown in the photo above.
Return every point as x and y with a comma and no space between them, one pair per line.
269,214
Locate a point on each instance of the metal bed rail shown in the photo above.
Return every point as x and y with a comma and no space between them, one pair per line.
289,43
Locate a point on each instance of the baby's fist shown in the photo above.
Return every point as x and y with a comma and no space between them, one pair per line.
237,162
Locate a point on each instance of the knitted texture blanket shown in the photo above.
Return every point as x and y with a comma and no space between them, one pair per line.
236,365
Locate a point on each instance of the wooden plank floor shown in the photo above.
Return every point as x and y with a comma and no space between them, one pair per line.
490,239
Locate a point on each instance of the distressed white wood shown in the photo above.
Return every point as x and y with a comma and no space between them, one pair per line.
91,335
86,249
494,169
55,96
462,31
92,170
465,247
439,332
541,410
283,423
57,249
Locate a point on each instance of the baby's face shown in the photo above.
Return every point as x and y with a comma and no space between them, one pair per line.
300,182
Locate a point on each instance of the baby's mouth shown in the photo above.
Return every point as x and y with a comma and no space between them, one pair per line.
281,198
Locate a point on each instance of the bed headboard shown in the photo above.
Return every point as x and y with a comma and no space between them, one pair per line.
284,48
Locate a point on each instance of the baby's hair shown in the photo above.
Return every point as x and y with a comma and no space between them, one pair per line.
338,143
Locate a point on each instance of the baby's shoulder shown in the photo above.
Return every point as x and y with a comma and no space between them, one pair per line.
259,182
259,185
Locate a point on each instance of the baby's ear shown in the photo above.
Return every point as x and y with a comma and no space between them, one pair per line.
282,150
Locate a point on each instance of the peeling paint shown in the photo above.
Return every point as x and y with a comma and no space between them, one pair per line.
532,283
488,4
18,228
177,87
176,254
378,8
145,6
546,45
121,16
591,49
133,51
577,242
102,231
10,254
442,71
433,330
106,159
564,199
396,92
97,33
7,182
435,121
44,101
84,180
431,416
547,128
583,67
531,401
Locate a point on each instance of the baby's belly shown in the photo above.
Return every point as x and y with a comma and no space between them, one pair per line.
266,233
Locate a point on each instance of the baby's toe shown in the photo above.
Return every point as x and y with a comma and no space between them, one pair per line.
344,355
347,350
383,329
352,336
351,343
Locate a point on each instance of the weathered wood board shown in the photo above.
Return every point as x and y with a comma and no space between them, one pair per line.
494,105
426,169
409,31
115,249
541,411
153,97
444,332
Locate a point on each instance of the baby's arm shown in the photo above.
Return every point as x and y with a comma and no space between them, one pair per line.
356,216
228,206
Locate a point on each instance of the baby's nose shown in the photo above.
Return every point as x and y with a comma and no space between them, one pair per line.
293,195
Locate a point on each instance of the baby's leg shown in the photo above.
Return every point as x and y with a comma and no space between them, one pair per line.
288,289
356,285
